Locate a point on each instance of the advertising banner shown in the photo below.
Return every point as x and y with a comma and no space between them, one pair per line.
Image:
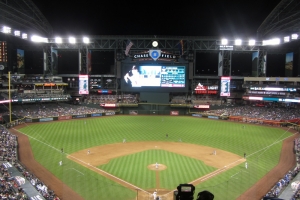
225,86
213,117
46,119
96,115
110,113
64,117
196,115
174,112
201,106
78,116
133,112
83,84
28,120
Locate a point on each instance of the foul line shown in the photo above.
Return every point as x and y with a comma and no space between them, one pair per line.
76,170
97,169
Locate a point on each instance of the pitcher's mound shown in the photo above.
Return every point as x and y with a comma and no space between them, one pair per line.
159,168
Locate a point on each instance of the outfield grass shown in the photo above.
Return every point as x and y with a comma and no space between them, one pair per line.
262,145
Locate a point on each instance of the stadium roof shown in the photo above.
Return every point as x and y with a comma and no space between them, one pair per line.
23,14
284,19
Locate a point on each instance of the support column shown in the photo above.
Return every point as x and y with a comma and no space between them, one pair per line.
224,66
262,63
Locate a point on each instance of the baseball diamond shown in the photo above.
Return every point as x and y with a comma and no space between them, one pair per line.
128,171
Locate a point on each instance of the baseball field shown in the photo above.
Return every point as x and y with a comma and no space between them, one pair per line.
160,153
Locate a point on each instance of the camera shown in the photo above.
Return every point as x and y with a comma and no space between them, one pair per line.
185,192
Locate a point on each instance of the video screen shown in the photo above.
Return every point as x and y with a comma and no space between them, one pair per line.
83,84
225,86
186,189
162,77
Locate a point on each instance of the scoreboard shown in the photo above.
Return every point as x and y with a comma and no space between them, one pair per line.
158,78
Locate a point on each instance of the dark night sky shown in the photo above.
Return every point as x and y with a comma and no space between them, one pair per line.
218,18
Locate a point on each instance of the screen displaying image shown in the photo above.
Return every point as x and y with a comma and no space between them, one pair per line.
147,76
225,86
83,84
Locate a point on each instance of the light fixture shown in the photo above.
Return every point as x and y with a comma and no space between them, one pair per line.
58,40
36,38
72,40
154,43
86,40
6,29
286,39
295,36
24,36
17,33
274,41
251,42
224,41
238,42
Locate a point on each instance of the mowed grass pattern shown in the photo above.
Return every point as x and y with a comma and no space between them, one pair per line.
262,145
135,166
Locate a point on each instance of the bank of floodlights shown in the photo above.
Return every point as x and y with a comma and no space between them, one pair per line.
72,40
17,33
24,36
86,40
36,38
274,41
224,41
6,29
251,42
238,42
58,40
286,39
294,36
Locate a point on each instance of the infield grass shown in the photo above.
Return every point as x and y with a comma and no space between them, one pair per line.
262,145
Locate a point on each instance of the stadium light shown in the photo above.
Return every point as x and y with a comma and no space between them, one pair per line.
224,41
72,40
6,29
251,42
17,33
24,36
36,38
295,36
86,40
58,40
238,42
274,41
286,39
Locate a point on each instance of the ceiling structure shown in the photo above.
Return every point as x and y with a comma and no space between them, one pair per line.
283,20
24,15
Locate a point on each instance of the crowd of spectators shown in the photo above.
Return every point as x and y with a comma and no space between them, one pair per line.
265,113
283,183
98,99
51,110
10,187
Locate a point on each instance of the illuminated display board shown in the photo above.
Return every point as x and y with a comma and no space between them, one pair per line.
277,89
83,84
154,77
225,86
3,51
201,89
